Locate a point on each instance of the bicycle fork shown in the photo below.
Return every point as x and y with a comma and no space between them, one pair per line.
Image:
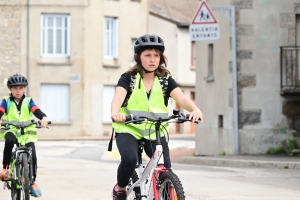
19,155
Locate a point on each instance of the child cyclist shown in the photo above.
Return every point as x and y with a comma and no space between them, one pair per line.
139,91
18,108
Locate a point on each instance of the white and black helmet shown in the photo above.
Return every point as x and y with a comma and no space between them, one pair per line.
149,41
16,80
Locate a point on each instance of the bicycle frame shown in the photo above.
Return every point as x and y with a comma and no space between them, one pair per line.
155,165
18,159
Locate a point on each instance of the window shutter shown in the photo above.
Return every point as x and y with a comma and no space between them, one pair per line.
115,38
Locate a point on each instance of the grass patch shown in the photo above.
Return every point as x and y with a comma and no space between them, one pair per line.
291,145
223,153
279,150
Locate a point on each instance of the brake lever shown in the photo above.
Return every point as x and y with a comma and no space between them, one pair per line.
6,127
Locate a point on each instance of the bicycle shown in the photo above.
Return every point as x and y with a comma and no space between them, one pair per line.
21,169
164,183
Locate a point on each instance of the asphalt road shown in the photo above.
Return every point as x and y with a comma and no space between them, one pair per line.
79,170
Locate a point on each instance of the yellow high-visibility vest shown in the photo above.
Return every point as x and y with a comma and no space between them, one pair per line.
140,104
25,116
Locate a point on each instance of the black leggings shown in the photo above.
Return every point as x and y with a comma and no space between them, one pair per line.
10,141
128,147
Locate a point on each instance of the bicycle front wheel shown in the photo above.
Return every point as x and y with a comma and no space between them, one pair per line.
170,187
25,177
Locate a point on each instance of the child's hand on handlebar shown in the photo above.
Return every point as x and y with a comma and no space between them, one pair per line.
195,115
118,117
44,122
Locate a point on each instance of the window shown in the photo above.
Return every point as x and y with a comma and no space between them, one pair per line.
55,101
210,64
193,54
220,121
55,35
132,62
210,59
110,37
108,95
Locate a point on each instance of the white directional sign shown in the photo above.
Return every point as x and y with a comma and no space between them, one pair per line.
204,25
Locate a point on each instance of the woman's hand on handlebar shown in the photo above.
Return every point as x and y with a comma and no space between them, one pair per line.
195,115
118,117
44,122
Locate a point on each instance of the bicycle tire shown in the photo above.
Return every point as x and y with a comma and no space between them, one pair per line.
15,191
136,192
25,177
170,187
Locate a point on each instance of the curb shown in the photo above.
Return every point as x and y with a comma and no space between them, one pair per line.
239,163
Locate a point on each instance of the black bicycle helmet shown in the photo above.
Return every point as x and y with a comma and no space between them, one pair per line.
16,80
149,40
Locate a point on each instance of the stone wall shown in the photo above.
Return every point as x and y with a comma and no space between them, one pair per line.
10,40
246,117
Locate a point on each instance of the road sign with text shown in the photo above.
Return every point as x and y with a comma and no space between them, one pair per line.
204,25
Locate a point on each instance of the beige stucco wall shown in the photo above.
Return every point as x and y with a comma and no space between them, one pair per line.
178,53
86,56
131,26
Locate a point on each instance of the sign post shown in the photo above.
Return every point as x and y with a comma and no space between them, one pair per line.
204,25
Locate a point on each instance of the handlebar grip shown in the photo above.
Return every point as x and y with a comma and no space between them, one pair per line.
187,117
127,118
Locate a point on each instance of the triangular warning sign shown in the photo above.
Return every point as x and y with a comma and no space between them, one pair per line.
204,15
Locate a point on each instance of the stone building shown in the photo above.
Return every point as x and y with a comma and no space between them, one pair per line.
267,36
10,40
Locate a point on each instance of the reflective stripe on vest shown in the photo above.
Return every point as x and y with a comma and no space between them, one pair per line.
139,104
24,117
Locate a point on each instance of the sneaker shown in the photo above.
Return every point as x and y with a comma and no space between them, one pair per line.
119,195
4,174
35,190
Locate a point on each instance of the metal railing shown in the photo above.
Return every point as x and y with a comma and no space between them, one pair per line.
290,69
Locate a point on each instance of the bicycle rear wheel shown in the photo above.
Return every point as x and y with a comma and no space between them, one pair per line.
136,193
25,177
170,187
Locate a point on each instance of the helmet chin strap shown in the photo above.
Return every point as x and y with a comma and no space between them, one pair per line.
146,71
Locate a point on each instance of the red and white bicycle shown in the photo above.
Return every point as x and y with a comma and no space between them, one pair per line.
154,181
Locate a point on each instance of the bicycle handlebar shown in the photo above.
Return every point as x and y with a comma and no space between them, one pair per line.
139,119
22,125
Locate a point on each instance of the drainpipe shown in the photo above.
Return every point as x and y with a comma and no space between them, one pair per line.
27,58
